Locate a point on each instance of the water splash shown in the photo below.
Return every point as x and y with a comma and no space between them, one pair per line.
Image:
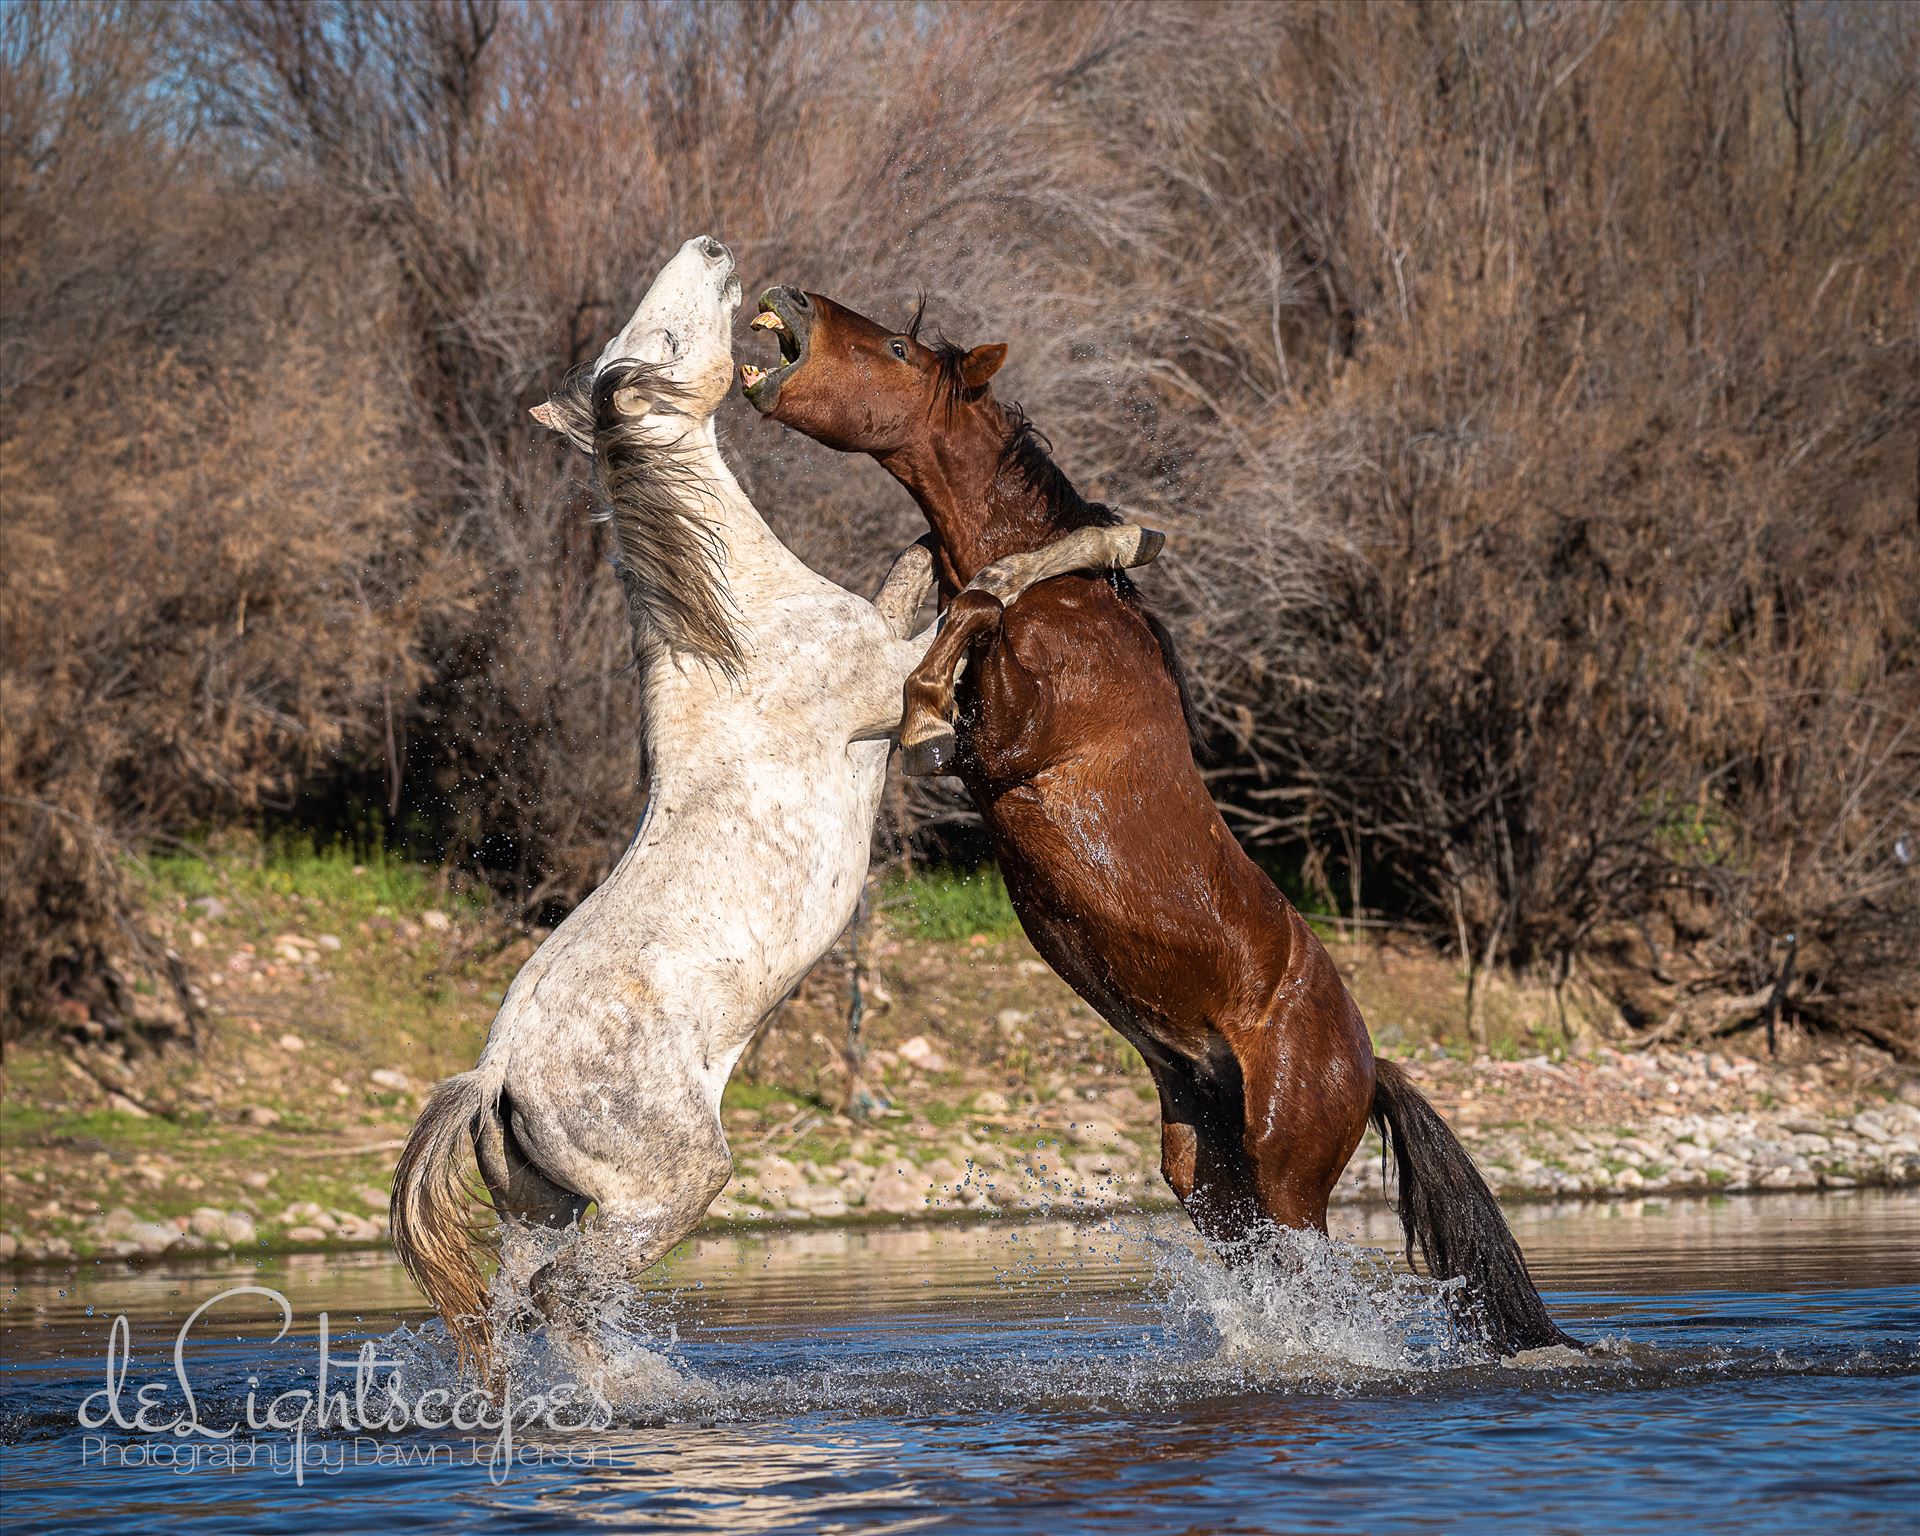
1286,1306
1291,1310
624,1353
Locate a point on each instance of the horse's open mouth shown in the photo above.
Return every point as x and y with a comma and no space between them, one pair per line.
788,321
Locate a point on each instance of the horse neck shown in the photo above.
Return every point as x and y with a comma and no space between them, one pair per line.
755,555
980,510
757,569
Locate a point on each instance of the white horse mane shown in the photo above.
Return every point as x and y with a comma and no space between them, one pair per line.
670,558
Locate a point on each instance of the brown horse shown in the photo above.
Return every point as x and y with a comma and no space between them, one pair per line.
1076,747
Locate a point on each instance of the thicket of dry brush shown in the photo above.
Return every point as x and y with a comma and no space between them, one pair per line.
1531,391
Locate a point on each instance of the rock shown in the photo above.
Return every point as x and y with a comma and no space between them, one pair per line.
153,1236
896,1195
306,1235
291,1042
209,1223
389,1077
990,1102
261,1116
821,1202
1010,1021
1097,1133
238,1228
373,1199
212,908
9,1247
259,1178
329,941
779,1180
435,919
118,1222
921,1053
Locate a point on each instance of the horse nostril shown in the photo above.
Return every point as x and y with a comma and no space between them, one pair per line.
800,298
711,248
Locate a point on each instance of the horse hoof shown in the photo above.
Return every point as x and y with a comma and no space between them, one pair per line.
1152,541
930,758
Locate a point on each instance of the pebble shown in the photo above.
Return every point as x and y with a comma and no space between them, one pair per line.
920,1052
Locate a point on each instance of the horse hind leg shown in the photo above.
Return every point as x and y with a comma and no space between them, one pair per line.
636,1222
520,1190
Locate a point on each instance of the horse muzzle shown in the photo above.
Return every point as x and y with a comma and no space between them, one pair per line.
788,314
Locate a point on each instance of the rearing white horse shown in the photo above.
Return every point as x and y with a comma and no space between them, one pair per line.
771,695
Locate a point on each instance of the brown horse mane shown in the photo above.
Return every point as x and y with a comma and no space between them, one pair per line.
670,560
1027,455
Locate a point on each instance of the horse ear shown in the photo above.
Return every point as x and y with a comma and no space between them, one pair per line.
982,363
554,419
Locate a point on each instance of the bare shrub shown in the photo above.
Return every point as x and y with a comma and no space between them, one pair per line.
205,510
1531,393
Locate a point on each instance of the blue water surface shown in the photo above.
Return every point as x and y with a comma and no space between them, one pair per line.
1760,1372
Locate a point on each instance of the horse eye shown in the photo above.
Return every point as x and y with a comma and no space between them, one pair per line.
898,348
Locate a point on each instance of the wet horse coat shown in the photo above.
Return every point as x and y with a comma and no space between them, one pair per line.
1076,751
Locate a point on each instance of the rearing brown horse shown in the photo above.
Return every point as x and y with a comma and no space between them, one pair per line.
1077,752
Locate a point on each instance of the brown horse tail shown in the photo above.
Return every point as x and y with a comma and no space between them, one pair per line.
431,1230
1447,1209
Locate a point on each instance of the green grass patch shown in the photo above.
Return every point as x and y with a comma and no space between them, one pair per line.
25,1124
761,1097
953,905
347,882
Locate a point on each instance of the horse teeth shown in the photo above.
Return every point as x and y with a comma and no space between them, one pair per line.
766,320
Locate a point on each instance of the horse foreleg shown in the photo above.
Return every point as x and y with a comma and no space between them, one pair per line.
1114,547
928,746
907,585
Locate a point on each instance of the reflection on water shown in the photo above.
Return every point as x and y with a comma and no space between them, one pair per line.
1760,1371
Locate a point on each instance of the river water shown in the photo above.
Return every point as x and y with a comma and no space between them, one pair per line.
1757,1369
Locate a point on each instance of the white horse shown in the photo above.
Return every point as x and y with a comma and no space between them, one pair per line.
771,695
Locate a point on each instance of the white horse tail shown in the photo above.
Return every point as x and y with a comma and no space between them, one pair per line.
432,1230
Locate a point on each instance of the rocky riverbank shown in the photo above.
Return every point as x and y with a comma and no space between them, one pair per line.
1789,1132
1786,1129
335,997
